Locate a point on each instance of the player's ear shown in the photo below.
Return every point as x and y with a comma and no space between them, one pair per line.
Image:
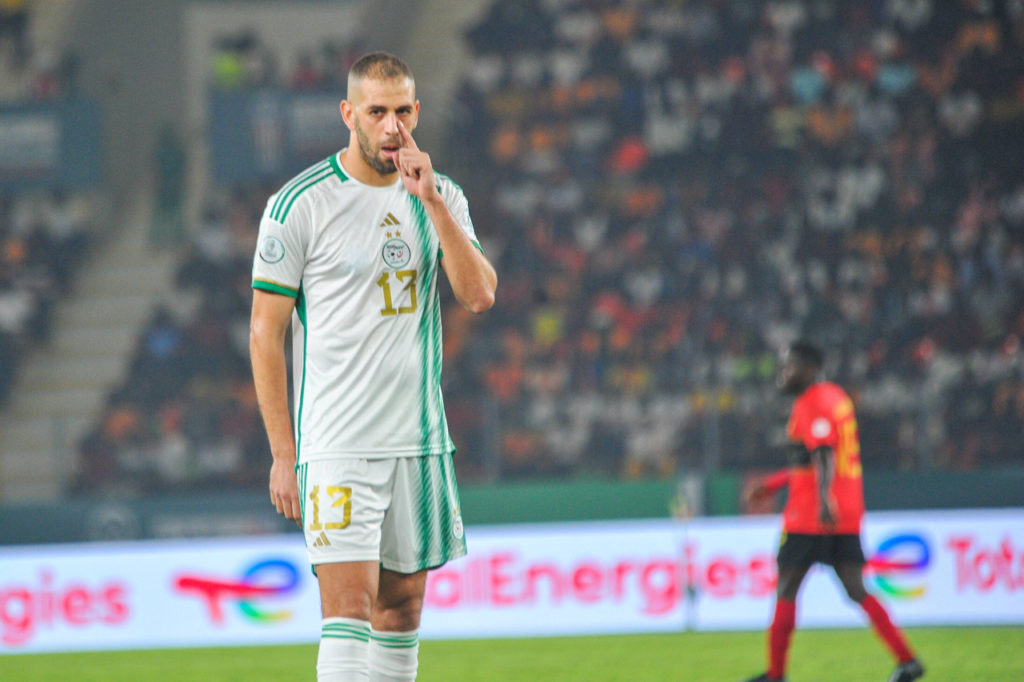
348,114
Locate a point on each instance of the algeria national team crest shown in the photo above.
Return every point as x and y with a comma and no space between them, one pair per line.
396,252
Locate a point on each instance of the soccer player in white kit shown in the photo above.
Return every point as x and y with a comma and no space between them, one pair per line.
347,256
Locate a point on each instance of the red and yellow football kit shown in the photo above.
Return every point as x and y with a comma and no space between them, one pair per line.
823,416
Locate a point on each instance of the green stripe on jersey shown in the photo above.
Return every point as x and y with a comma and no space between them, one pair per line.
301,473
429,329
337,168
445,177
274,287
430,379
435,388
294,184
283,214
448,513
300,305
300,309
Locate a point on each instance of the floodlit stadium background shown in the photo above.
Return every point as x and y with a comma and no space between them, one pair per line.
669,191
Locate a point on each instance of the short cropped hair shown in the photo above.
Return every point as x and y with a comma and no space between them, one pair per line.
379,66
806,352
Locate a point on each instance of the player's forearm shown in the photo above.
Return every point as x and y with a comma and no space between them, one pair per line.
472,277
473,280
270,377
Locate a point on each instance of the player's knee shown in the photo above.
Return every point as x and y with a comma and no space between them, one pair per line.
853,582
856,593
398,614
854,589
349,604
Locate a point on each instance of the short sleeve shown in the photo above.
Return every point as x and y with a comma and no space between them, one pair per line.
821,431
458,206
813,425
281,251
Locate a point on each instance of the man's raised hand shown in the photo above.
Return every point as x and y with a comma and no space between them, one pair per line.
414,166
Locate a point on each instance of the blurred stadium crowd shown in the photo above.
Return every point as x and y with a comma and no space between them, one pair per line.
670,192
29,71
241,60
43,233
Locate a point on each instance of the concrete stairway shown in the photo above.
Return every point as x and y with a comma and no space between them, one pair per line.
61,388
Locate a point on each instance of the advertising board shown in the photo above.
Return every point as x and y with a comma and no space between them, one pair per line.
934,568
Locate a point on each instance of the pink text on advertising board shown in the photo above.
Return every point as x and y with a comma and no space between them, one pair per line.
25,608
504,579
986,568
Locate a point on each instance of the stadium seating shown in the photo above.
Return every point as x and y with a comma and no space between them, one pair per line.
673,190
670,192
43,231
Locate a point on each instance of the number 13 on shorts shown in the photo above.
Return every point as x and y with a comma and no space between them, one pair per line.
335,496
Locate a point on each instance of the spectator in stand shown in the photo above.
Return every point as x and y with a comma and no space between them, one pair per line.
306,76
43,236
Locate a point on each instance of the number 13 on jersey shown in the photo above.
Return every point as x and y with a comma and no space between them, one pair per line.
406,277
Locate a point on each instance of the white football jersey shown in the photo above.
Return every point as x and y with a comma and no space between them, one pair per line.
362,264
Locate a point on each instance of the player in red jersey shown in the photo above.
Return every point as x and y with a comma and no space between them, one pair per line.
822,518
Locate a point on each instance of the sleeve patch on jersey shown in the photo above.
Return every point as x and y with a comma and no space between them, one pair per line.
271,250
821,428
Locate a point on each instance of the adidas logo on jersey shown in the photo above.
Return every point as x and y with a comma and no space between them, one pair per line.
389,220
321,540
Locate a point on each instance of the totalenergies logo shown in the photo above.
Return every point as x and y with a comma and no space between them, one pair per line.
268,579
898,560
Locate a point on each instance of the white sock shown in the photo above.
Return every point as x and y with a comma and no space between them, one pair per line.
344,651
394,656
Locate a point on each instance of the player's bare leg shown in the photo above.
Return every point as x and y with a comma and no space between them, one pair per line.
791,577
852,579
347,594
395,620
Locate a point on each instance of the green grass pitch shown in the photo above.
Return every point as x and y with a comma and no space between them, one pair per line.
950,654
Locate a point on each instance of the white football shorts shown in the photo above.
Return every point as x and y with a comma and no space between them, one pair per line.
403,511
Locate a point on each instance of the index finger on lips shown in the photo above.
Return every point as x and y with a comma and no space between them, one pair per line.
407,136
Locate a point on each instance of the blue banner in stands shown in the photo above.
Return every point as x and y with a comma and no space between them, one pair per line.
50,144
266,133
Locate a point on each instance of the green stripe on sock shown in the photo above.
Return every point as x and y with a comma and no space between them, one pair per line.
395,641
342,631
330,635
